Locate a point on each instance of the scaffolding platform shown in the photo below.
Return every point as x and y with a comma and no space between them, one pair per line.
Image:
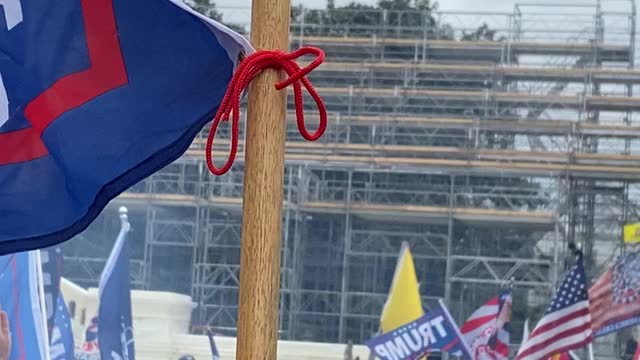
486,152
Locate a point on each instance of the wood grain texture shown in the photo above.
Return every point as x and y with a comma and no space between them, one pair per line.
263,192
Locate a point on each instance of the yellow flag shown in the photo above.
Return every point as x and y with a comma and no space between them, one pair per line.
632,233
403,304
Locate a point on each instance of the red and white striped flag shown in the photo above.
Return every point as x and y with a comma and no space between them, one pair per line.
566,324
615,297
487,329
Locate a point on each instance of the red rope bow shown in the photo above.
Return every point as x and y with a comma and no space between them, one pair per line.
245,73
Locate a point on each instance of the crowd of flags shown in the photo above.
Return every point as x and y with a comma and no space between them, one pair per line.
576,315
39,319
38,315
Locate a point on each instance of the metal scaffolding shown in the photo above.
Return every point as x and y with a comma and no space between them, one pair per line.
486,155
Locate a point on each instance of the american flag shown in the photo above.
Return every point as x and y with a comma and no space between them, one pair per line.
615,297
487,329
566,324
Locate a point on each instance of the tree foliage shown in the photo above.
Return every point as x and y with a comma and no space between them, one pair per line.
410,17
482,33
208,9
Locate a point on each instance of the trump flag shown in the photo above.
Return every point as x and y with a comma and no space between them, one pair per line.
95,95
434,332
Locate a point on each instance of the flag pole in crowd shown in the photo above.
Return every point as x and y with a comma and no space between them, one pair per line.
566,323
115,335
41,293
263,191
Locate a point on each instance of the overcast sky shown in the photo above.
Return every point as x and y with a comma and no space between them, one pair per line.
237,11
452,5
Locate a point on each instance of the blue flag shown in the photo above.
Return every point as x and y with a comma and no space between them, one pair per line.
95,95
434,332
62,347
114,314
51,273
214,349
19,298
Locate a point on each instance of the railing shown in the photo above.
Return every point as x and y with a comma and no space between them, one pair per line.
523,197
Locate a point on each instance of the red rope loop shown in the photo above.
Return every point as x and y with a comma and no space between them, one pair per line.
246,72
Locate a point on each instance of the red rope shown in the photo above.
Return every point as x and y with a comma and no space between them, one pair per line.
245,73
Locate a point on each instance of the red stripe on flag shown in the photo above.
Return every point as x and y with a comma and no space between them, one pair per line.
473,324
107,72
555,323
567,333
502,348
21,145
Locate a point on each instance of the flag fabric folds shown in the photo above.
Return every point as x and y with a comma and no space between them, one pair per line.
114,314
434,332
95,95
403,304
19,287
487,331
566,324
62,347
615,297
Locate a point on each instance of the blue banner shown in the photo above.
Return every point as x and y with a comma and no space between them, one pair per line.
62,345
19,298
434,332
96,95
51,273
114,314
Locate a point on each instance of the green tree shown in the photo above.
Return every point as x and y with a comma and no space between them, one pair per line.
482,33
208,9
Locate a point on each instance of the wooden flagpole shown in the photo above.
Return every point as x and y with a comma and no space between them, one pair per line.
263,191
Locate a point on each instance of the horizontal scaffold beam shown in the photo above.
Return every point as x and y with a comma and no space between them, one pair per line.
515,100
430,159
533,220
515,126
508,72
605,51
523,127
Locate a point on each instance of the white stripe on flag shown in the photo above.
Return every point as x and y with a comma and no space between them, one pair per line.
470,337
557,345
554,316
486,310
536,339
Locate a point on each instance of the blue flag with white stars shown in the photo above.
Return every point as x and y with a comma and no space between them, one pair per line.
62,347
434,332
